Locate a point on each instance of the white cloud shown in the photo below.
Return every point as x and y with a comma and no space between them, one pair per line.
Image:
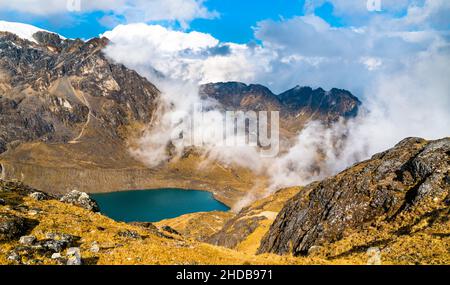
314,53
193,56
130,11
356,11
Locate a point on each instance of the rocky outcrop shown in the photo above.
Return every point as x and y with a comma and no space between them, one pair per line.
236,231
251,219
80,199
74,197
401,188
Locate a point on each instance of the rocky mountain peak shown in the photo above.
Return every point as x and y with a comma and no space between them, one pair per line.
52,89
336,102
237,95
297,106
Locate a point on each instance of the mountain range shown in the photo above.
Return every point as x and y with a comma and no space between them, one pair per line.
63,98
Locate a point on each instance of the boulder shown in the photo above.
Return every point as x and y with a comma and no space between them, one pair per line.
95,248
170,230
80,199
73,256
373,256
129,234
38,196
27,240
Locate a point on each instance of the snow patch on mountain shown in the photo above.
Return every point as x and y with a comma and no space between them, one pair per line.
23,31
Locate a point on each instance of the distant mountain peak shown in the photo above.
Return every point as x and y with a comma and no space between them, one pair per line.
301,102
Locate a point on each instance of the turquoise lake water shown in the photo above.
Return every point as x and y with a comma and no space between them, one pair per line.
155,205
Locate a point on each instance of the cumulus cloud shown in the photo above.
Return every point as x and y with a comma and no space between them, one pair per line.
360,11
117,11
195,57
348,57
178,62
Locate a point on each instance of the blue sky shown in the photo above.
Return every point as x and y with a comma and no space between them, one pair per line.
234,23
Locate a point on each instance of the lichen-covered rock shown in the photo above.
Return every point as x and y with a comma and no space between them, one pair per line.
39,196
411,177
27,240
80,199
129,234
12,227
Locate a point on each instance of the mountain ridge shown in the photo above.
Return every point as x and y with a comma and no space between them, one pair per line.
63,98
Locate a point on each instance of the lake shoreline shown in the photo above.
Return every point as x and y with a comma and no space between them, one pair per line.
61,180
153,205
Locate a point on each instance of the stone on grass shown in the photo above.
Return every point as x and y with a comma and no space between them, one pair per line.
27,240
73,256
80,199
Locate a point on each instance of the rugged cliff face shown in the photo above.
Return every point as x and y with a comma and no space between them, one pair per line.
404,191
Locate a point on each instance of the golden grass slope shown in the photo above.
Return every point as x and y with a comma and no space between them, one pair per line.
426,241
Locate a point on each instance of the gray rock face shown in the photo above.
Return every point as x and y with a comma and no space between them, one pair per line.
235,231
409,177
333,104
49,89
80,199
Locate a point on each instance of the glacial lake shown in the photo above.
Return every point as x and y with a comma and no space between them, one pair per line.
155,205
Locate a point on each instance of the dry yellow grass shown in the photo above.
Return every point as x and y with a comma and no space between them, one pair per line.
426,242
151,249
